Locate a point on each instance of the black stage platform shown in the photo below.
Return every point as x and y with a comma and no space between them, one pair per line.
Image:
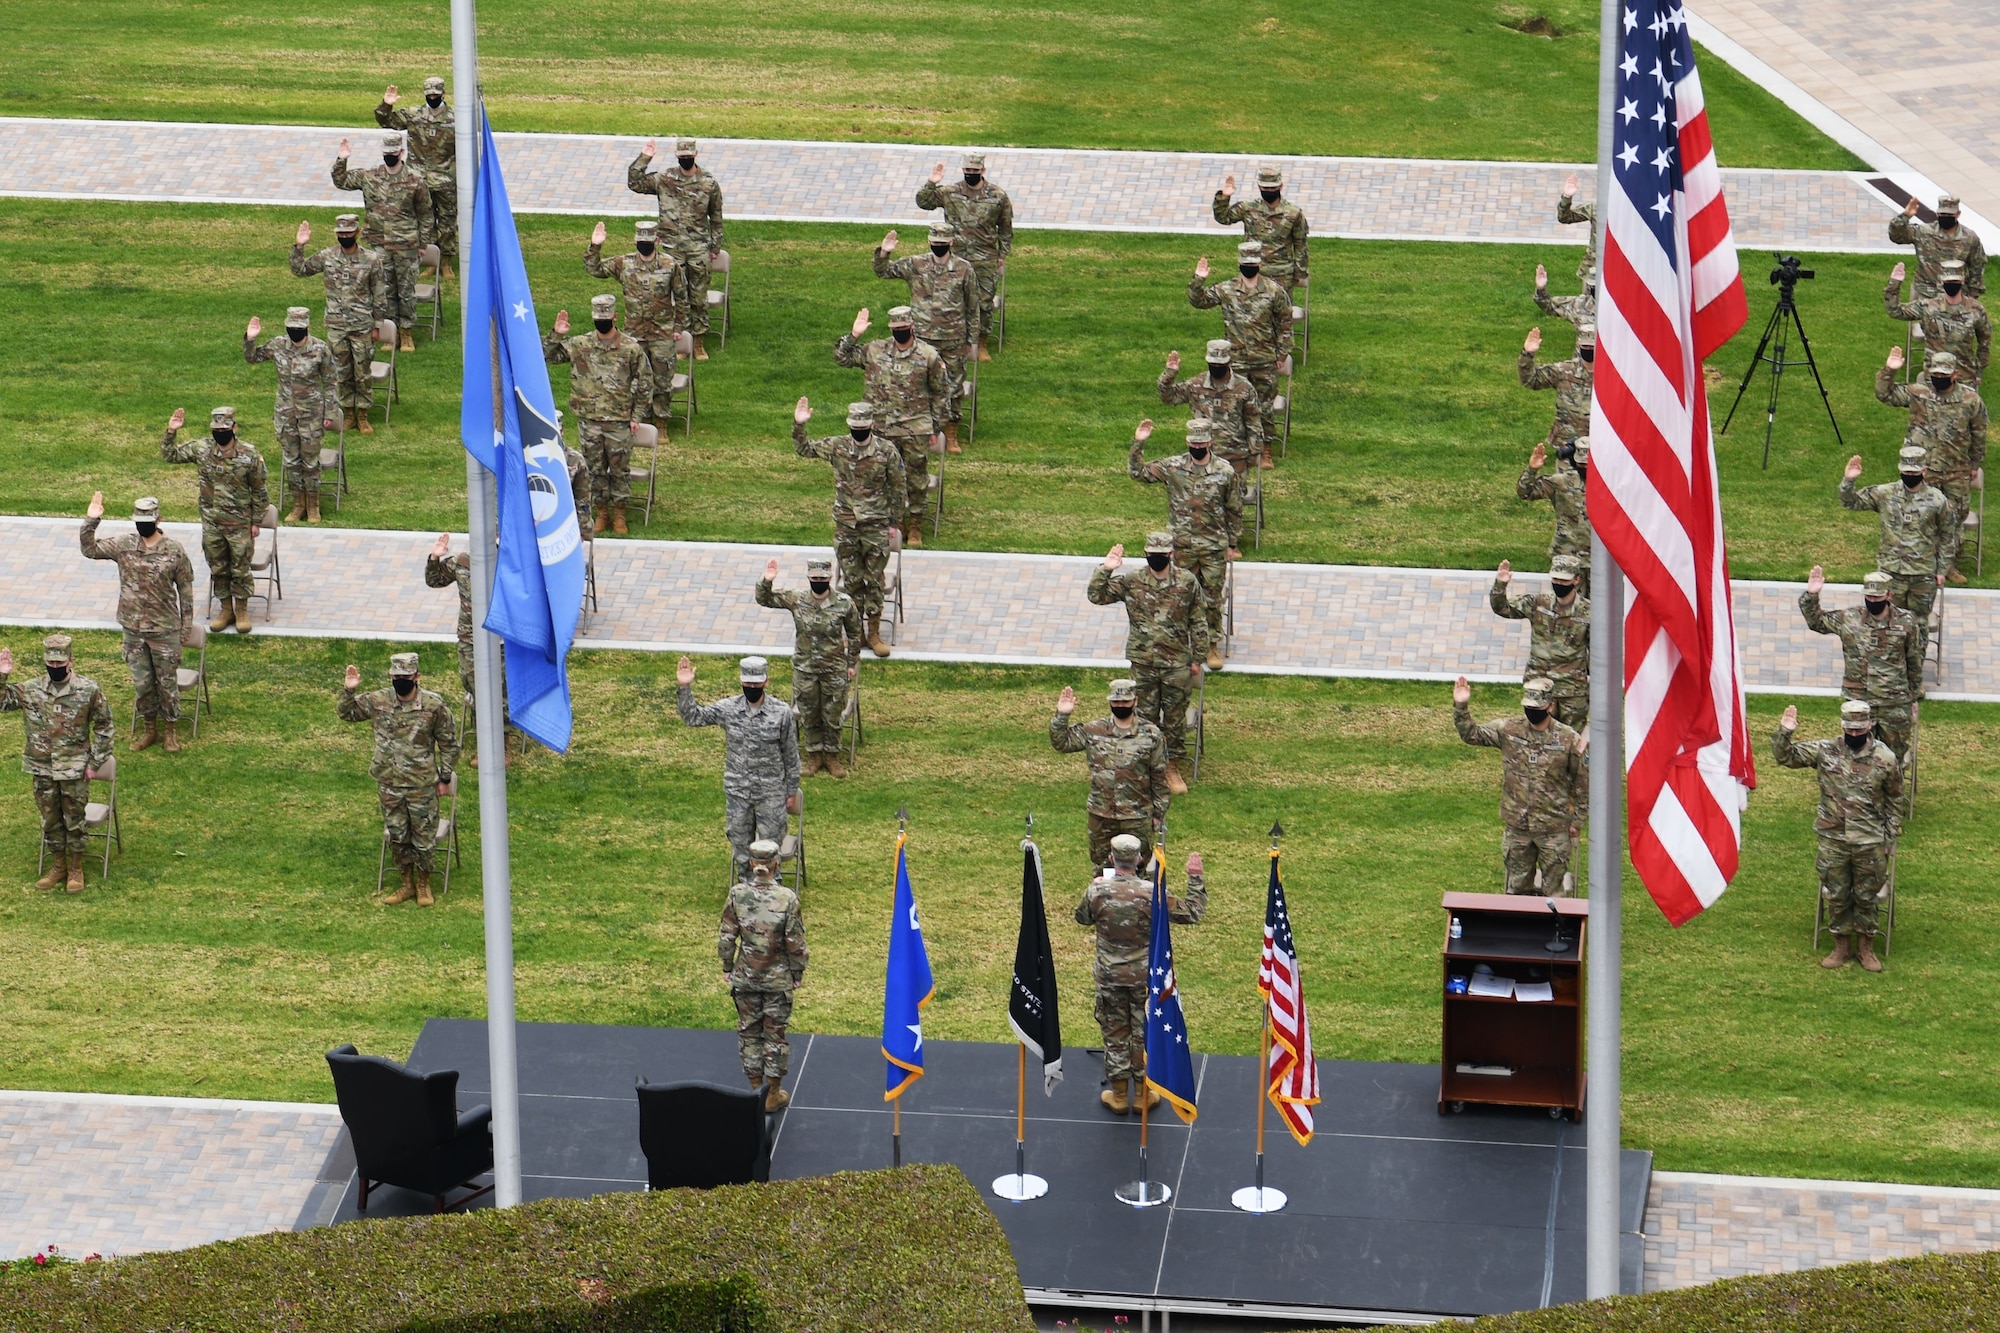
1397,1213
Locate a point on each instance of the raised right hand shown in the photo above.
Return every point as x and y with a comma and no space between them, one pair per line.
1570,185
7,663
1173,360
353,677
771,569
1896,357
1461,691
442,547
562,322
652,148
1505,574
937,174
342,151
888,245
1541,278
1790,720
1229,185
1896,273
96,509
1065,702
1144,432
684,672
1816,580
255,327
1910,209
1539,456
1533,342
803,412
597,234
1853,468
1116,557
861,322
178,419
305,233
1201,267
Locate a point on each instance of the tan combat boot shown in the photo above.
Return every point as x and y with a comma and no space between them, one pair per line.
171,733
875,641
1843,949
701,347
1865,946
347,418
1266,461
1175,783
776,1098
366,427
151,737
404,894
312,506
913,533
242,605
298,509
1115,1099
618,521
834,767
756,1082
1215,662
75,884
984,355
1141,1088
598,523
222,618
406,343
951,438
424,898
809,765
1954,576
58,872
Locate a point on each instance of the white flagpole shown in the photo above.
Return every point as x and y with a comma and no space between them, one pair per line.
490,727
1607,772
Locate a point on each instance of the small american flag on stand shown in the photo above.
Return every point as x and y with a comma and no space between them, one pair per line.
1291,1078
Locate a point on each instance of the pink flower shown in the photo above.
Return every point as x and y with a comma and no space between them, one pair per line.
41,1259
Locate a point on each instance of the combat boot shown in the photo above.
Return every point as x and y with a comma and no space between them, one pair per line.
406,343
1864,945
810,764
424,898
1141,1088
1954,576
1115,1099
1266,461
618,521
875,643
951,438
298,509
834,767
57,873
701,354
913,533
366,427
222,618
404,894
1215,662
75,884
1843,949
312,506
347,421
151,737
171,733
598,523
776,1098
242,605
756,1082
984,355
1175,783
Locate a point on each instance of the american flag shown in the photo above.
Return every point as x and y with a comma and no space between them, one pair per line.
1670,293
1291,1079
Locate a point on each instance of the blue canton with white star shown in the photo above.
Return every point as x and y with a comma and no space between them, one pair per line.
1656,53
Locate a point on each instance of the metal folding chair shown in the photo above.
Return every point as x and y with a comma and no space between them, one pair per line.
447,843
934,494
647,437
892,583
384,372
1934,649
683,381
333,462
1197,721
1228,608
430,286
1281,407
1000,308
1302,318
719,299
192,681
100,818
792,850
1975,522
968,394
589,571
850,718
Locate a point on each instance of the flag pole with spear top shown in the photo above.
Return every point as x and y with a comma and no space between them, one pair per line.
1256,1198
1031,1013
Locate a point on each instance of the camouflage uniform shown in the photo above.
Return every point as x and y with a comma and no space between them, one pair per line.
1128,775
416,749
983,217
1860,800
1205,508
610,387
1568,213
1119,903
760,760
1558,646
1579,310
762,944
455,571
357,297
870,496
1935,246
1960,327
826,646
1915,536
1279,225
233,498
69,736
656,308
434,156
1565,490
398,215
910,391
1544,793
1571,379
1258,314
306,395
1882,662
1167,635
690,223
944,298
1231,408
155,610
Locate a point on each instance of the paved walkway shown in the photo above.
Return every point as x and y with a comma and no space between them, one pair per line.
766,179
1305,620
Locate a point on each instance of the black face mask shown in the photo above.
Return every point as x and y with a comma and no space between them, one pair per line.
1566,452
903,335
1586,354
347,240
1218,371
753,693
940,249
1857,741
1946,221
1953,288
645,247
973,177
297,335
1876,607
1158,560
435,99
390,160
1535,716
602,325
819,586
1912,480
1940,383
1249,270
58,674
1270,196
860,433
1122,712
687,163
1562,590
405,686
1198,452
222,435
146,530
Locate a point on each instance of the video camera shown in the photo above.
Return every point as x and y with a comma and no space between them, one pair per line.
1788,270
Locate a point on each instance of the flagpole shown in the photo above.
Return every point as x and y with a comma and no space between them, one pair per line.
1021,1187
1257,1199
489,726
1145,1192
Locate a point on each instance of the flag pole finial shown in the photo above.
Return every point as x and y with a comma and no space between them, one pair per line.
902,817
1277,832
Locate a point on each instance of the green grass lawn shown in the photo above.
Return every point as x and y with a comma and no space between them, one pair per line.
1409,432
1445,78
236,939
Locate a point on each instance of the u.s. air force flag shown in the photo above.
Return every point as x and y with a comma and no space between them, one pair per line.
907,990
508,423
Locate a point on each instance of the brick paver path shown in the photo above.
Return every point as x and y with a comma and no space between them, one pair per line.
1091,190
1313,620
114,1175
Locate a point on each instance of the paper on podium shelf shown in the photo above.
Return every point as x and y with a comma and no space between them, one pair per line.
1534,992
1485,983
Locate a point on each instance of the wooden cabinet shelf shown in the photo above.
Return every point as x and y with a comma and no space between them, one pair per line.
1537,1043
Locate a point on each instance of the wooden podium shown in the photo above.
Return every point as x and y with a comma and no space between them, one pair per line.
1502,1050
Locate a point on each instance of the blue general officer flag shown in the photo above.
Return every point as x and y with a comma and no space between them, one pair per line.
908,988
538,578
1169,1057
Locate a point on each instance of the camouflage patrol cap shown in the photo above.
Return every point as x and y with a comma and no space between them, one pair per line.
943,231
684,145
434,84
1270,176
819,564
222,416
1250,252
347,222
753,671
1910,458
1122,691
763,850
1951,270
1941,363
1856,715
298,317
392,142
55,648
646,229
1582,454
1947,207
604,307
902,317
859,415
146,509
1876,585
1199,431
973,162
1566,567
1125,848
402,664
1157,542
1537,692
1218,351
1586,335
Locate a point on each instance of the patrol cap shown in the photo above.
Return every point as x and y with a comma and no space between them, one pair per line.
1158,542
684,145
1122,691
434,84
1586,335
298,317
1199,431
1910,458
1218,351
1250,252
943,231
603,307
1537,692
973,162
646,229
1876,584
1270,176
1856,715
819,564
1582,454
347,222
55,648
402,664
146,509
753,671
1125,847
222,416
1951,270
392,142
1566,567
763,850
902,317
860,415
1947,207
1941,363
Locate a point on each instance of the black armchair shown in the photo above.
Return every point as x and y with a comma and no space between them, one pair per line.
698,1135
407,1130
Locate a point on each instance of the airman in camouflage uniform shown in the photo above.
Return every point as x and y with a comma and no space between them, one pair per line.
1273,220
760,755
1224,399
690,224
399,217
69,736
1953,322
982,216
906,383
1205,512
1571,379
1566,491
1119,903
826,651
610,391
656,303
1579,310
1937,242
1860,816
1544,787
1128,769
1882,649
1916,521
433,155
444,570
763,948
1569,212
155,611
870,497
1166,639
233,497
416,753
357,298
1258,314
304,406
1949,420
944,300
1559,636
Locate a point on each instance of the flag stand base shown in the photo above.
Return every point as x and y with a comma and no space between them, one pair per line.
1258,1199
1144,1193
1020,1189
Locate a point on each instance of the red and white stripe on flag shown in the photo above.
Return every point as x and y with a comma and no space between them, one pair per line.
1669,294
1291,1078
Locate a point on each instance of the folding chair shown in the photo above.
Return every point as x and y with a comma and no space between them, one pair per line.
792,850
850,718
1253,499
264,566
1281,406
100,818
1975,522
934,494
447,842
968,394
646,436
430,286
384,372
1885,913
1228,607
1197,720
719,298
1000,308
193,681
1302,318
892,584
1934,649
683,381
590,571
333,462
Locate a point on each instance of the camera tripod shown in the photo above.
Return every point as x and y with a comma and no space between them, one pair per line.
1784,319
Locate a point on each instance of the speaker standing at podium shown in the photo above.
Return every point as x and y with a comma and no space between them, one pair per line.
1544,786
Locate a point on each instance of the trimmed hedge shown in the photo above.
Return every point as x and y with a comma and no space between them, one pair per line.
1939,1293
914,1247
